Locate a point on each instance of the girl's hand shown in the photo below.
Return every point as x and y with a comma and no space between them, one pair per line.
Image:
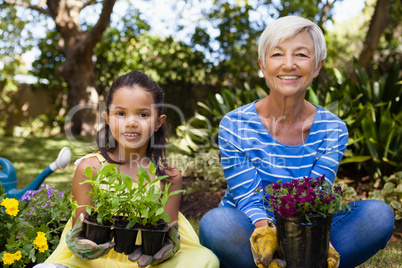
174,178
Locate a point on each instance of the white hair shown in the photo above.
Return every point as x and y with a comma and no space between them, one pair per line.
286,27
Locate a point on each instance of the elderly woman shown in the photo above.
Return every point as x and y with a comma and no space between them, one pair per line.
283,136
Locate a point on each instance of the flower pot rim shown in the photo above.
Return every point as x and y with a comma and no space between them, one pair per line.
154,230
303,216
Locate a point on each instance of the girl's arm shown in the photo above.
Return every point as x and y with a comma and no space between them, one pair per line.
175,180
79,191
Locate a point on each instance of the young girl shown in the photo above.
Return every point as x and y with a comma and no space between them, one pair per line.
134,135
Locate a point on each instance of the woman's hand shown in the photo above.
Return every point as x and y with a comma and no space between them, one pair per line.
264,244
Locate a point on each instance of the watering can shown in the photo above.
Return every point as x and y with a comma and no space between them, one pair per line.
8,177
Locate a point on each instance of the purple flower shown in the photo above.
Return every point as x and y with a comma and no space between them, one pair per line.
306,195
28,195
49,192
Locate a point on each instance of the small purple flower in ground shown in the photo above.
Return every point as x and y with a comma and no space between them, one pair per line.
49,192
28,195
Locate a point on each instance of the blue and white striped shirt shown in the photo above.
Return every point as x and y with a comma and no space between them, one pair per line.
252,158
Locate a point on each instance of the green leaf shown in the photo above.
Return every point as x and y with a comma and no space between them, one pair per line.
398,189
152,168
385,126
355,159
176,192
88,172
160,211
388,187
144,213
395,205
260,92
165,217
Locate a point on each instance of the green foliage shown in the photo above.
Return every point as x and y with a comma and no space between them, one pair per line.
151,200
375,121
104,185
30,229
204,166
349,192
16,38
389,190
47,206
201,132
370,106
231,52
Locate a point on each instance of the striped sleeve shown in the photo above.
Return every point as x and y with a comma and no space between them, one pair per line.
241,175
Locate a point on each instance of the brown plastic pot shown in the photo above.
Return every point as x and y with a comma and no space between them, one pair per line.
302,243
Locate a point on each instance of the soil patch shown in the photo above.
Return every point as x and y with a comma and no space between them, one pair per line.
195,205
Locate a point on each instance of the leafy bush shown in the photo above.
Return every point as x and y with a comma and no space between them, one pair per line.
375,121
30,229
205,167
201,132
47,206
390,192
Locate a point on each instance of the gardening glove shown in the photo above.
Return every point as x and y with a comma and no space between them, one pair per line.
333,257
264,244
83,248
169,248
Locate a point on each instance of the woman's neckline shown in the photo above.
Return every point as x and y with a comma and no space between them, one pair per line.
306,140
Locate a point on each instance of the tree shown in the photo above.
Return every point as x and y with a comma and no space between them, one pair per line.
77,45
380,20
128,45
382,44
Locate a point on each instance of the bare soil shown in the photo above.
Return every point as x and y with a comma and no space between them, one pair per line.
196,204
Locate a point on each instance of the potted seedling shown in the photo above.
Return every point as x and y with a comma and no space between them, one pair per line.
127,206
151,206
99,213
127,222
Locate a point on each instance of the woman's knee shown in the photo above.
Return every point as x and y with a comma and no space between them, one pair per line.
222,224
386,217
382,212
211,224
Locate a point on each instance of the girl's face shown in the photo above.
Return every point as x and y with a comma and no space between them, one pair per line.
133,118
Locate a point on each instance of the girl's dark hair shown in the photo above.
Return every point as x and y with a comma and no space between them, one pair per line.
156,147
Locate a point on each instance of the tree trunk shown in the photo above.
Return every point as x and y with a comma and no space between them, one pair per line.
379,22
79,70
79,73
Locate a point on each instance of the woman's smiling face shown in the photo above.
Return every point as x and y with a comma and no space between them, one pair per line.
133,118
289,66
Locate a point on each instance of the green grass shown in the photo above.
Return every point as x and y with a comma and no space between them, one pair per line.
391,256
30,156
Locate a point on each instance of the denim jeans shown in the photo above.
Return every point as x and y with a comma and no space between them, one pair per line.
356,234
